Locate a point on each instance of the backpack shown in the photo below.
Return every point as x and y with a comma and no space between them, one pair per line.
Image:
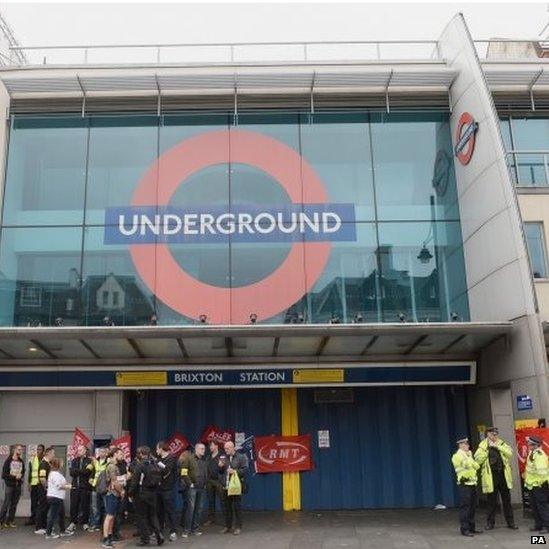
102,484
152,476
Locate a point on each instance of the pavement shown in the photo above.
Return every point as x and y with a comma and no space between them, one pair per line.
372,529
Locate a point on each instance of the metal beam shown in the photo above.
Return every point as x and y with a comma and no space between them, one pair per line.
182,348
276,345
453,343
89,348
135,347
43,348
387,91
322,345
531,88
229,346
369,344
415,344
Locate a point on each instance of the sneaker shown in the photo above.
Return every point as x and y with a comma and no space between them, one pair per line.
173,536
197,533
160,539
11,525
236,531
67,533
85,527
106,543
225,531
71,527
40,531
52,536
185,535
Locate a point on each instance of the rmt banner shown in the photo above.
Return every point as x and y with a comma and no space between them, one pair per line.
284,223
278,454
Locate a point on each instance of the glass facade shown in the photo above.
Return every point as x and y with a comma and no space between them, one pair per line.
536,248
402,257
529,134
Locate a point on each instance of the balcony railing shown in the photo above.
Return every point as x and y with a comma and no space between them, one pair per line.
510,49
529,168
230,53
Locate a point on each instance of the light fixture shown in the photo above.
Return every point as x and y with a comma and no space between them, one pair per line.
402,317
425,255
358,318
253,318
203,319
334,319
59,321
33,349
454,316
153,321
300,318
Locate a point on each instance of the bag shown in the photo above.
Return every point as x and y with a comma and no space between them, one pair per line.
102,484
152,476
235,486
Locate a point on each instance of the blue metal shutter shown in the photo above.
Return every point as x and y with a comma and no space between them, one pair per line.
156,415
391,448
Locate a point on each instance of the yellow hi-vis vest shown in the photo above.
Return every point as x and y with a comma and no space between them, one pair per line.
99,468
466,468
537,469
481,456
35,465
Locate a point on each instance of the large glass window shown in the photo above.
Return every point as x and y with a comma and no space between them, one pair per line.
536,248
397,252
46,171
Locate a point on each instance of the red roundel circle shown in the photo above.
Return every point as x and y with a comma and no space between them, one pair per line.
265,298
465,154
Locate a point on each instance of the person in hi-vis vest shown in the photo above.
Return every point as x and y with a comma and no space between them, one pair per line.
33,481
493,455
466,475
536,481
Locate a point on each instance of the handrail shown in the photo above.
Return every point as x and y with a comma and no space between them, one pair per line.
544,155
231,49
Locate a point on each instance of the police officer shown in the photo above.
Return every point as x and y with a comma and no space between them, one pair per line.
466,474
493,455
34,464
536,479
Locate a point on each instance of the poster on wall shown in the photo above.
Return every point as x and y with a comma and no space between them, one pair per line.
324,439
78,439
276,454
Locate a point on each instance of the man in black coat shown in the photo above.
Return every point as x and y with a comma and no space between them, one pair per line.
13,473
81,470
166,508
229,464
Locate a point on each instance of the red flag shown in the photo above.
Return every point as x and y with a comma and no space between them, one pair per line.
125,444
522,447
283,453
78,439
177,444
213,432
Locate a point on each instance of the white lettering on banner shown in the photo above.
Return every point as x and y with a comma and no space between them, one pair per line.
198,377
228,223
258,377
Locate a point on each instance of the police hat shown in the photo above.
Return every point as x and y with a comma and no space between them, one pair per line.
461,440
534,440
494,430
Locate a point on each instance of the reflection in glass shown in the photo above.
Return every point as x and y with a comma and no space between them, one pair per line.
40,276
46,171
536,249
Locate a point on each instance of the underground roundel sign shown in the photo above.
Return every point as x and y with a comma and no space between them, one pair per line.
466,132
308,223
275,454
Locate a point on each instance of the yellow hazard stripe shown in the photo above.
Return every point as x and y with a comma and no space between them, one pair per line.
291,482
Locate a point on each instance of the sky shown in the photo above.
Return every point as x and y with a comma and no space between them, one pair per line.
112,23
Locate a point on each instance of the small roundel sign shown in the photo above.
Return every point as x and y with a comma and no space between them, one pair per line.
466,131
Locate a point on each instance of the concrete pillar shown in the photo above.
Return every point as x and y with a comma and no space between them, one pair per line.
108,413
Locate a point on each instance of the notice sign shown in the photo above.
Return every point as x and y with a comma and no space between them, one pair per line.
324,439
524,402
277,454
138,379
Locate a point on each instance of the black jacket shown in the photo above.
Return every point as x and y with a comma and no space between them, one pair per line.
135,488
169,472
8,479
239,462
81,470
214,472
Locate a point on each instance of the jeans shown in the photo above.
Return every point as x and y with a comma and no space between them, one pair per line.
80,505
56,511
214,489
166,510
195,505
11,499
98,509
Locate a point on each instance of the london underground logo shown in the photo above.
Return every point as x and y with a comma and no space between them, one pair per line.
309,223
465,138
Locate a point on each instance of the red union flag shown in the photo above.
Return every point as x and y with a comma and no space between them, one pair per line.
125,444
283,453
177,444
522,446
78,439
213,432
